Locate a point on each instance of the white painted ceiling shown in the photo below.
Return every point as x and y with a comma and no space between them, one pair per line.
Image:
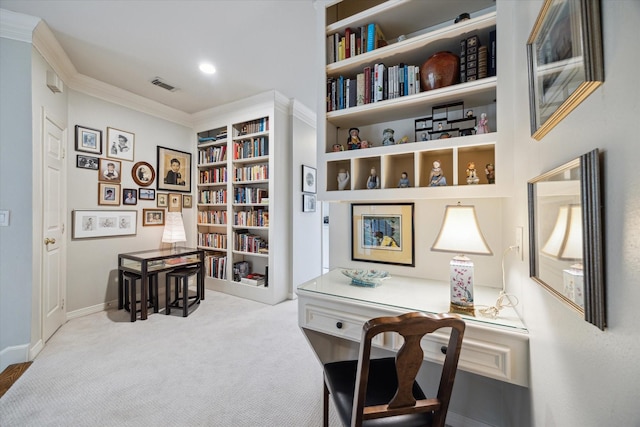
255,45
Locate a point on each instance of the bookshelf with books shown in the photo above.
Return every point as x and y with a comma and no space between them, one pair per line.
379,89
243,231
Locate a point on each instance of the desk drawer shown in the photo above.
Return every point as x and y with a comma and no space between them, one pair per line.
337,323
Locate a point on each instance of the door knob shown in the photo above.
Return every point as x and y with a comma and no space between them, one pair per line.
48,240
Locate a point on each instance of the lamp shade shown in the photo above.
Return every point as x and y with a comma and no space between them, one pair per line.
565,241
460,232
174,228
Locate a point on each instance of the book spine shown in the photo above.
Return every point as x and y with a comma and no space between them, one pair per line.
360,89
371,32
347,43
367,85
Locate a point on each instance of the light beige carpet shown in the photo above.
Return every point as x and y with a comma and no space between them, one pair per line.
232,362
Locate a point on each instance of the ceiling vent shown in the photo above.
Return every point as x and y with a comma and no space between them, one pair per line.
158,82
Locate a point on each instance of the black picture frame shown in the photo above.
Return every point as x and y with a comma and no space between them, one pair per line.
309,179
87,162
383,233
88,140
168,179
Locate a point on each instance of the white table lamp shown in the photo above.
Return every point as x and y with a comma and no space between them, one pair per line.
174,229
460,233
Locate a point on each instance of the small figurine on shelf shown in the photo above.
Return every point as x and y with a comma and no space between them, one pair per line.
387,137
404,140
404,181
354,141
343,179
469,114
472,176
483,124
374,180
364,144
423,136
436,178
337,148
490,171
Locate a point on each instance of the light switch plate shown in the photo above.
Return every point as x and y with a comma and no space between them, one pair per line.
4,218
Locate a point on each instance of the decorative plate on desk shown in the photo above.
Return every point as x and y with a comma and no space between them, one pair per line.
367,278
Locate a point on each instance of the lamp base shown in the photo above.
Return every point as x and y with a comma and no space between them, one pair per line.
461,275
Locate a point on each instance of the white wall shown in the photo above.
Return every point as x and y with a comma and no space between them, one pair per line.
92,272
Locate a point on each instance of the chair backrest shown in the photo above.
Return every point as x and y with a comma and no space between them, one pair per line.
412,327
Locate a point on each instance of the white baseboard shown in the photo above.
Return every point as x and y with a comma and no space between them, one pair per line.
92,309
36,349
14,354
457,420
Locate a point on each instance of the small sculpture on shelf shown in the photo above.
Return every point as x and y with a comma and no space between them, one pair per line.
387,137
483,124
337,148
490,171
364,144
343,179
437,178
469,114
404,181
472,176
403,140
354,142
374,180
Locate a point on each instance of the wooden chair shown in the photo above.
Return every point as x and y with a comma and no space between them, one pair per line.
384,392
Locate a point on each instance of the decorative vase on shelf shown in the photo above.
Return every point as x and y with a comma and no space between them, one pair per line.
440,70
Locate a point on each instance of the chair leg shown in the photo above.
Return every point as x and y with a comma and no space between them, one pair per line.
153,292
185,296
133,305
325,406
167,297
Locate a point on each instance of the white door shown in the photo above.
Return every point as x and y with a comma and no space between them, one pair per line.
53,228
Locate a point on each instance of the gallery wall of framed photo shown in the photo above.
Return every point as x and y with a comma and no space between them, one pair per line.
126,169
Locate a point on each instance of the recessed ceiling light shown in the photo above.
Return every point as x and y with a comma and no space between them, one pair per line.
207,68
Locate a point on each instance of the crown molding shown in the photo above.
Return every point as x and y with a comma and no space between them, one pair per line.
46,43
304,113
17,26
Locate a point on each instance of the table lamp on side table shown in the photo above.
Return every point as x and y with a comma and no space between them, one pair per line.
174,229
460,233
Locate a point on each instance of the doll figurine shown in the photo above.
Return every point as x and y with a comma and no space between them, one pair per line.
490,171
404,181
472,176
374,180
387,137
343,179
483,124
354,141
436,178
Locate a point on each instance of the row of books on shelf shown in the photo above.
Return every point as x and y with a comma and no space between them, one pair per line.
214,217
213,240
254,126
244,241
354,41
254,147
213,176
477,61
215,265
255,279
212,196
251,218
249,194
375,83
251,173
212,154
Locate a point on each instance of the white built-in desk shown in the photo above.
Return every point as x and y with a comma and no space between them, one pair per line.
331,313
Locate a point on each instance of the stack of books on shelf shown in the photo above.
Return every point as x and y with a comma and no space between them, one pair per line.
477,61
354,41
213,176
216,266
254,126
254,147
252,218
255,279
244,241
212,240
212,197
249,195
376,83
217,217
212,155
252,173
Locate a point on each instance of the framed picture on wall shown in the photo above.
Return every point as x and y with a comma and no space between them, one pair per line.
175,202
87,162
108,194
308,203
143,174
129,196
163,200
308,179
174,170
88,140
88,224
383,233
147,194
187,201
152,217
110,170
120,144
